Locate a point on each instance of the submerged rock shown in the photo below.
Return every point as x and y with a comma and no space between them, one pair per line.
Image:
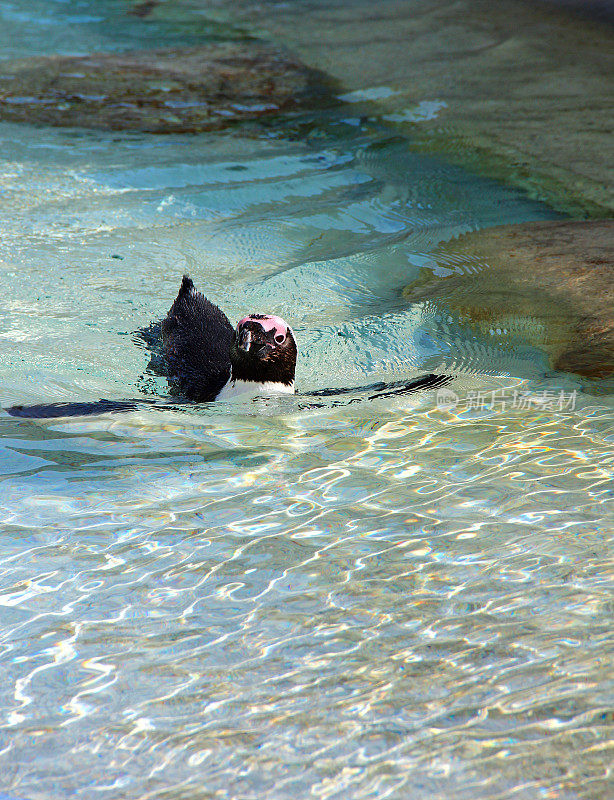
551,283
518,91
159,91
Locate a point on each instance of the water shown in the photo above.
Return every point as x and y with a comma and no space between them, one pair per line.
382,599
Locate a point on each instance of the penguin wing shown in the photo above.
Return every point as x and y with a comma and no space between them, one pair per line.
376,390
86,409
356,395
196,340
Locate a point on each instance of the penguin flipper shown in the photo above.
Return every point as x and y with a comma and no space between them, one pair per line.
377,390
55,410
382,389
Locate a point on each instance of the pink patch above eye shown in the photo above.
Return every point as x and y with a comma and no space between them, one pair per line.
269,322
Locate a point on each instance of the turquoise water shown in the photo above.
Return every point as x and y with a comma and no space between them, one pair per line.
383,599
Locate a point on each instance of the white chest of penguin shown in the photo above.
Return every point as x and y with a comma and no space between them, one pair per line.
246,389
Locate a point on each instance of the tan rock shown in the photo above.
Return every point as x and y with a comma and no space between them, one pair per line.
160,91
517,90
549,282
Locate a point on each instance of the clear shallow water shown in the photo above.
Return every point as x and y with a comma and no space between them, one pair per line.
384,599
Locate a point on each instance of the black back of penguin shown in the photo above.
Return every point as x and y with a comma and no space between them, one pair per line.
196,339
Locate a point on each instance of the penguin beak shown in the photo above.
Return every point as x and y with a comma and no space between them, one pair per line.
244,339
253,341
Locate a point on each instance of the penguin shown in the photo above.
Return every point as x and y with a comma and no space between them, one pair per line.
205,359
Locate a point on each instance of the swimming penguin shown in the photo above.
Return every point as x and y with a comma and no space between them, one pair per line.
205,359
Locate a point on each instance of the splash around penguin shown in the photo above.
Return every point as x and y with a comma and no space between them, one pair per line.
205,359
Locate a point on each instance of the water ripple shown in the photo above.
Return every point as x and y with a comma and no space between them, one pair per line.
345,612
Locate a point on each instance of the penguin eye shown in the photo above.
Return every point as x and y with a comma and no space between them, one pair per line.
280,338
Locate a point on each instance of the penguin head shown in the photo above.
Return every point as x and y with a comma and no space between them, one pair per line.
263,350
